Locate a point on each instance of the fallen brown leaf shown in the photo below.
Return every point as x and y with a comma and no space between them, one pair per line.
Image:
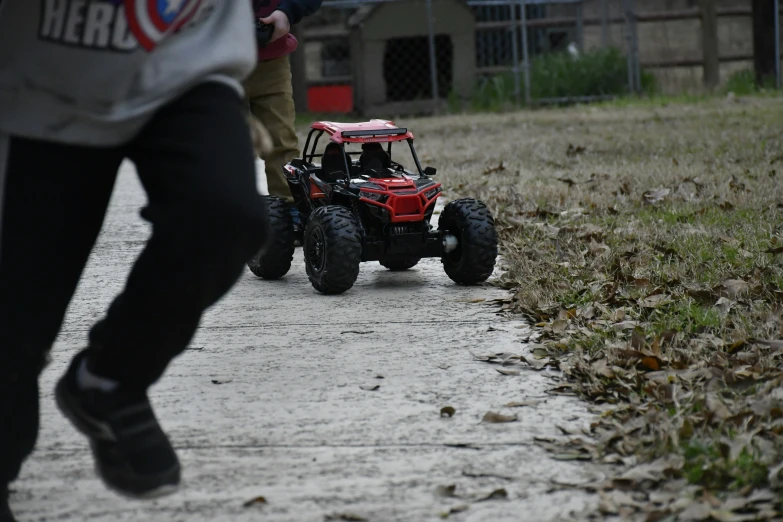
492,417
254,501
775,345
733,288
492,170
521,404
723,515
446,491
559,326
625,325
651,363
455,509
601,367
716,406
494,495
697,511
346,517
590,231
654,197
447,411
736,184
724,305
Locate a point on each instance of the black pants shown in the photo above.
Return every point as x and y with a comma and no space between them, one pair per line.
196,163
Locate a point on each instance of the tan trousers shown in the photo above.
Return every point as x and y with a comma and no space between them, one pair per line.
271,99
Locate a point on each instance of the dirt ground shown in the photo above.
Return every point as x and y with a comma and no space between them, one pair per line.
269,399
272,400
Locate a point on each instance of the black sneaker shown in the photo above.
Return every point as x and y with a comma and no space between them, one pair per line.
132,454
5,510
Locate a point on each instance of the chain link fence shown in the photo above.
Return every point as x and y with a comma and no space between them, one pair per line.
406,57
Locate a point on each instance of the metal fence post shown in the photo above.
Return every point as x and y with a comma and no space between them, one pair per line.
777,43
515,53
525,54
628,45
634,73
637,70
433,57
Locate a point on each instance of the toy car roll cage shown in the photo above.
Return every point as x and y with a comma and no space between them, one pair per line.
342,134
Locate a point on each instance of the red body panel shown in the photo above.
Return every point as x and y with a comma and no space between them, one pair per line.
405,202
335,131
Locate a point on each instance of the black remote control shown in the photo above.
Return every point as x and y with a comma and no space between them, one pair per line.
263,33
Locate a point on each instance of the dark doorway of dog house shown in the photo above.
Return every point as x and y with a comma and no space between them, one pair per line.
406,68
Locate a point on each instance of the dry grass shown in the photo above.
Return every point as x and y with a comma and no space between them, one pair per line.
644,243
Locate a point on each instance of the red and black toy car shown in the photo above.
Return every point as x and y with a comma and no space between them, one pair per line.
361,205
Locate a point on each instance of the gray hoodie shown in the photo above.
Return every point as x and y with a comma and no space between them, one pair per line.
92,72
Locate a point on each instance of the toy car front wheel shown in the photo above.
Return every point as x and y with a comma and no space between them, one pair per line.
396,263
274,260
332,249
473,259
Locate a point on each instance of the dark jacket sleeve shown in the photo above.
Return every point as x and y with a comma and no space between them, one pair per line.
298,9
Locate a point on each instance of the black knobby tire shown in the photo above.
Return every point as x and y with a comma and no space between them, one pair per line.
472,223
332,249
398,262
274,260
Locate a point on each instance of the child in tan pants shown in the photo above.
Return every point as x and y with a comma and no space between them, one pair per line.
270,93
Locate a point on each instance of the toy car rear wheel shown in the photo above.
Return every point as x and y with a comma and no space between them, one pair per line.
274,260
332,249
473,259
396,263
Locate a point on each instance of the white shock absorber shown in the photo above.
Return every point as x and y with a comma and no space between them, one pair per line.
450,242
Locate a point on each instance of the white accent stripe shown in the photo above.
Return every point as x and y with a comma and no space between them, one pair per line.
190,7
143,16
5,145
145,19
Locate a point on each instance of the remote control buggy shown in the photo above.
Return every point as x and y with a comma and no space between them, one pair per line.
362,205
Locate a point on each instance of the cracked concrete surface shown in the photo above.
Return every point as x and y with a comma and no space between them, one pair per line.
269,401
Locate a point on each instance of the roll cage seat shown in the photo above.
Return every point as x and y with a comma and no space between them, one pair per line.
332,162
374,157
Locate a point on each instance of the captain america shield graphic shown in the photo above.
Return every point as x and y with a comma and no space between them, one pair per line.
151,21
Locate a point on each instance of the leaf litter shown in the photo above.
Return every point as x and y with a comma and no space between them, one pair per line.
659,303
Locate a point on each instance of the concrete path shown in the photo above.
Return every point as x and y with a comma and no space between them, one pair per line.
269,401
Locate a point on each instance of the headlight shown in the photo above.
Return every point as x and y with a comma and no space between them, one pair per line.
373,196
430,193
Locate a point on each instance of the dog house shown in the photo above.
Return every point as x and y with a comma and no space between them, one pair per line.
390,55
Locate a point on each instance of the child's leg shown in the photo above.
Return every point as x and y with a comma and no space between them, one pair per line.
271,99
196,162
54,200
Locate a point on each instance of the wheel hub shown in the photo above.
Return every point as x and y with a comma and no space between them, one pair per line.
317,249
450,243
